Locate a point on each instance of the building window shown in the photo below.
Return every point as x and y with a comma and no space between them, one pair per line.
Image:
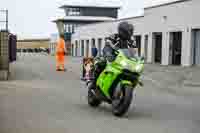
66,27
71,49
76,48
73,29
67,11
73,12
69,28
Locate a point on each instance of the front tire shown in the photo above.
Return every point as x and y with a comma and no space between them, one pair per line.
92,99
124,104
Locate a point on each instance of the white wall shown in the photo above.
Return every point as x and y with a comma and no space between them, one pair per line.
181,16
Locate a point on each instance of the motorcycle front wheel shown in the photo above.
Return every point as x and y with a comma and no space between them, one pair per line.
92,99
122,100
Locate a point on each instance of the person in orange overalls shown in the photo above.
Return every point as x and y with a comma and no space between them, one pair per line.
60,54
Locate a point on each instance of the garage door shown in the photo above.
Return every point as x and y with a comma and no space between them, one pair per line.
197,47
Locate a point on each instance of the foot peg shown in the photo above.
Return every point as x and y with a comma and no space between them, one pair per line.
88,82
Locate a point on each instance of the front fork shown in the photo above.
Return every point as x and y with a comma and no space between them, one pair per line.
125,82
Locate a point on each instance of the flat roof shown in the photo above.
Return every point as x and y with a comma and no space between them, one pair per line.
134,17
164,3
93,4
84,18
90,6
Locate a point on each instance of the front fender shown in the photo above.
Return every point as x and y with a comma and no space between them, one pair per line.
129,83
126,82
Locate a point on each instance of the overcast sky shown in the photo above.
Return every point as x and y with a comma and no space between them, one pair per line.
32,18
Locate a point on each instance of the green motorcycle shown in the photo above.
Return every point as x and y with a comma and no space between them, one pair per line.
116,83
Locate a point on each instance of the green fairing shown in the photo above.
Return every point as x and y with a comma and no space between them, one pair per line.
113,70
107,77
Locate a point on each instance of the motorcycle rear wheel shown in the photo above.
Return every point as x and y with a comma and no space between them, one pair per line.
123,105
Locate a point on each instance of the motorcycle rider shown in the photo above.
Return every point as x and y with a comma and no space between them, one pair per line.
124,37
122,40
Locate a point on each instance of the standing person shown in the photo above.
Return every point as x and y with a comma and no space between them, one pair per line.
94,51
60,54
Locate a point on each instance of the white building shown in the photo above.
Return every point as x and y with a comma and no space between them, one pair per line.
168,33
77,14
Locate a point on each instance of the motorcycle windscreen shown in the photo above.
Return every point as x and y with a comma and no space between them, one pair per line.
130,52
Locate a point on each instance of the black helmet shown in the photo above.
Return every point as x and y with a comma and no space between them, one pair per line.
125,30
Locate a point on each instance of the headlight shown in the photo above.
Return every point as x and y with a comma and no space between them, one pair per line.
139,68
125,65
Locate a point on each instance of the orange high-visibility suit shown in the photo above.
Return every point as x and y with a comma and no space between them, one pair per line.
60,54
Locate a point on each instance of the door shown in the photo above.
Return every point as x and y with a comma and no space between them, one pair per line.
87,48
76,49
99,47
72,49
146,47
176,48
138,43
197,47
82,48
158,47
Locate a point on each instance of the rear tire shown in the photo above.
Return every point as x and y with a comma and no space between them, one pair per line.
125,103
92,99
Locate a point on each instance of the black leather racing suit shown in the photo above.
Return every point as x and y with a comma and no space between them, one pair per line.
114,42
120,43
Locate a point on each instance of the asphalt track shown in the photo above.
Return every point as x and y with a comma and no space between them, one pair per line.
40,100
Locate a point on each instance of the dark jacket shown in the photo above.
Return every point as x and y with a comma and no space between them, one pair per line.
94,52
117,43
121,44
